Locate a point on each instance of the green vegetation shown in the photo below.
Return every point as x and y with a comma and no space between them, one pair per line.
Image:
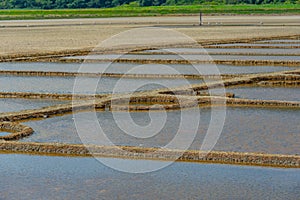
131,10
63,4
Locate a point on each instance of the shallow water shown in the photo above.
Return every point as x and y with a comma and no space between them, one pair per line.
183,57
228,50
245,129
140,69
14,105
256,44
4,133
38,177
64,67
85,85
267,93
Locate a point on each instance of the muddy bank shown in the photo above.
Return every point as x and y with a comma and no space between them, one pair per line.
16,131
292,63
26,95
122,103
116,75
258,159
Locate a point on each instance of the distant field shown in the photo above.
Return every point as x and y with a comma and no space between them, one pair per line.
126,11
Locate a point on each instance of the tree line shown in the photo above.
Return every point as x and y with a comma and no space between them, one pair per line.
59,4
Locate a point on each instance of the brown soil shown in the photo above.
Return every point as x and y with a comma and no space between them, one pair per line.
42,36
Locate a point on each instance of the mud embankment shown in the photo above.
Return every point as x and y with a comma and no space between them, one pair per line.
117,75
15,131
258,159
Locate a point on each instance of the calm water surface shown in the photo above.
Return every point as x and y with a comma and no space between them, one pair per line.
4,133
85,85
256,44
37,177
267,93
146,69
13,105
245,129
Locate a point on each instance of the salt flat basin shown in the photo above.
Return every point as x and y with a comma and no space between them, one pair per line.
227,50
14,105
245,130
83,85
257,44
121,68
39,66
267,93
78,178
183,57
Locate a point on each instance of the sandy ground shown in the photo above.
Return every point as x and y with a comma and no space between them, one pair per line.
38,36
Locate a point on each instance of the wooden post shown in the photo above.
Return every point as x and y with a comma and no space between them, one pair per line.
200,19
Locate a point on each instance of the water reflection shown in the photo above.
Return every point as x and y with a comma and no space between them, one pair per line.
245,130
267,93
36,177
83,85
148,69
260,44
13,105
